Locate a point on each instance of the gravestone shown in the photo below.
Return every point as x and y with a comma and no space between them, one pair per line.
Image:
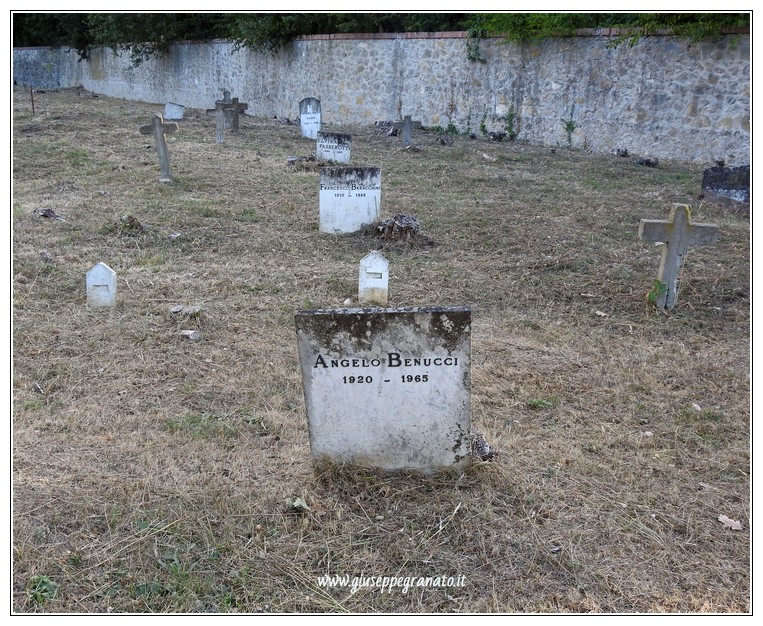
349,197
230,117
173,111
407,125
310,117
101,283
728,187
333,147
219,122
676,235
227,115
159,128
387,388
373,280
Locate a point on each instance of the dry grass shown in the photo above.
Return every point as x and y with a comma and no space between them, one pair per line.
152,473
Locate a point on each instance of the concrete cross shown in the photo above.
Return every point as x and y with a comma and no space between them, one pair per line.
159,128
676,234
227,114
407,125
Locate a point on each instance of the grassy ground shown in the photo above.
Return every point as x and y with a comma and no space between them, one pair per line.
154,473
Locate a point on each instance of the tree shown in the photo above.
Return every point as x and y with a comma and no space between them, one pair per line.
520,27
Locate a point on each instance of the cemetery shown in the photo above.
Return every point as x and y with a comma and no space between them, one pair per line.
485,376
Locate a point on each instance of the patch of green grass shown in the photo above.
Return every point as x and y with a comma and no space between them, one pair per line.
543,403
248,215
204,426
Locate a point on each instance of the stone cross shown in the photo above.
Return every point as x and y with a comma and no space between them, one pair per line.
407,125
159,128
407,131
231,112
101,283
373,280
236,109
219,121
676,234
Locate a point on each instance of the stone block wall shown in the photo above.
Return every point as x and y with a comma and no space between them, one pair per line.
661,98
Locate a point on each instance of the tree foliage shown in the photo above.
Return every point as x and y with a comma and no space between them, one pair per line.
144,34
519,27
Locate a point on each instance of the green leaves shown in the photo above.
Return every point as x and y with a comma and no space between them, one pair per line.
41,589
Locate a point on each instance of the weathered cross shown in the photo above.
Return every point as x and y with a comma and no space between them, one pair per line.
676,234
159,128
406,125
227,114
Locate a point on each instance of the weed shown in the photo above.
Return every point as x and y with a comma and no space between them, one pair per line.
40,589
510,121
658,291
570,125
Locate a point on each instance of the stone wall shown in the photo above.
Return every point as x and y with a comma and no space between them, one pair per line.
663,97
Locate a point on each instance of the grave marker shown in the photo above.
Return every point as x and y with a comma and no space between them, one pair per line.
219,122
407,125
349,198
159,128
373,280
310,117
231,114
387,388
333,147
173,111
676,234
101,284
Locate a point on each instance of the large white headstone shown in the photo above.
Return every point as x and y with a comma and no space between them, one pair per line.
388,388
101,283
373,280
310,117
333,147
349,197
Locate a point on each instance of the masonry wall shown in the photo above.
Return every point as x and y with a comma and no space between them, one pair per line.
662,98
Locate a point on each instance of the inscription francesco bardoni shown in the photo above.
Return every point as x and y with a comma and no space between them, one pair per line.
387,388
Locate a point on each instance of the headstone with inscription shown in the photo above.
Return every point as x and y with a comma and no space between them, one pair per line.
388,388
676,235
101,284
373,279
310,117
349,197
333,147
